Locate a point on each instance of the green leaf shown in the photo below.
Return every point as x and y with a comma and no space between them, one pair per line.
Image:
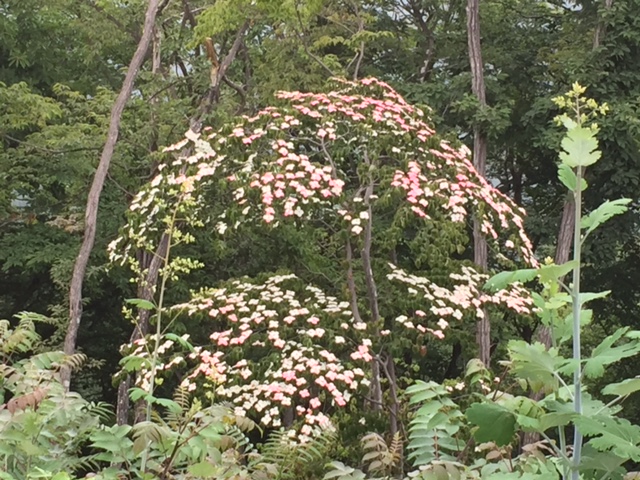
503,279
178,339
168,404
141,303
61,476
495,423
603,213
536,364
580,148
203,470
624,388
568,178
563,329
553,272
606,354
612,434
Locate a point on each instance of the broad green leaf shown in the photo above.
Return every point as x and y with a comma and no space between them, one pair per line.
141,303
606,464
606,354
580,148
495,423
568,178
61,476
474,366
178,339
585,297
624,388
553,272
536,364
503,279
137,393
612,434
168,404
603,213
563,329
203,470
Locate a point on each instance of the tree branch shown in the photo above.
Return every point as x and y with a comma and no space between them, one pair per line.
93,200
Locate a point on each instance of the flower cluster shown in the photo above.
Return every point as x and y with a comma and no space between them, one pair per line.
290,358
466,295
344,157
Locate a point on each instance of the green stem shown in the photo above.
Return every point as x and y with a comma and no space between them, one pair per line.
563,448
577,307
154,359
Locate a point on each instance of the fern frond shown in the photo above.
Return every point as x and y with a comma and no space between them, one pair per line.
20,340
102,410
294,460
74,361
181,397
437,421
46,360
378,456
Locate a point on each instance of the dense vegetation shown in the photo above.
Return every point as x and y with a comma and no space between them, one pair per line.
300,239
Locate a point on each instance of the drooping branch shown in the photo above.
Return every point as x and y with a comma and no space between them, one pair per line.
93,200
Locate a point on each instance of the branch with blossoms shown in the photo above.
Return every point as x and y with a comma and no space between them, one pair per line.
276,345
466,297
303,159
336,160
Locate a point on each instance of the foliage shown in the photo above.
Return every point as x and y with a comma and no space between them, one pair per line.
42,428
441,434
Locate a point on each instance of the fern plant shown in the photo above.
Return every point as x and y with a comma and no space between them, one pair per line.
43,429
282,458
434,430
187,440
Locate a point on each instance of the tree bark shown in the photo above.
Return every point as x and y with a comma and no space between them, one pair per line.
93,200
483,333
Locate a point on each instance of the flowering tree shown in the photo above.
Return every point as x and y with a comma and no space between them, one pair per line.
363,166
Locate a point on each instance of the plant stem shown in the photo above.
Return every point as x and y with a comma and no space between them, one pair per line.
154,359
577,307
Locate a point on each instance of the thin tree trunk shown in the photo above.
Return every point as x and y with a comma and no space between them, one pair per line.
93,200
146,289
483,334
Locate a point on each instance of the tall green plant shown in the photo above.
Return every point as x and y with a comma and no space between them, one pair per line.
480,443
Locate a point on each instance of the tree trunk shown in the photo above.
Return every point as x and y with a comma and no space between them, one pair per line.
93,200
146,289
483,334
